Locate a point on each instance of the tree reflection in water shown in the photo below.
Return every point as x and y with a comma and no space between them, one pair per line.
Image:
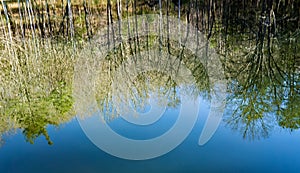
257,40
263,67
130,76
35,92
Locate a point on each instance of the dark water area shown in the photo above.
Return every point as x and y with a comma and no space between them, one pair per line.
152,86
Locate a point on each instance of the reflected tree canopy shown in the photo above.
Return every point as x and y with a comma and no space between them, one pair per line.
35,92
258,42
139,68
263,67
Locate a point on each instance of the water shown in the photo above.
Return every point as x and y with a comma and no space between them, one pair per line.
199,90
225,152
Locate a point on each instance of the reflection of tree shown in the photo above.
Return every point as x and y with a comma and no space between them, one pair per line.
289,115
252,112
259,41
35,92
265,87
289,111
39,110
117,82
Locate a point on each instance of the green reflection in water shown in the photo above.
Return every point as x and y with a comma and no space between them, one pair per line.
259,45
35,90
265,88
137,89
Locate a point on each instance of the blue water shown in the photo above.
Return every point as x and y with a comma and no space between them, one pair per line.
227,151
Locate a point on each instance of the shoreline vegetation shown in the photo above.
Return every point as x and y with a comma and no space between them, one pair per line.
257,40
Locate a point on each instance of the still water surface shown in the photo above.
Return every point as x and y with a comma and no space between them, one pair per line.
45,103
225,152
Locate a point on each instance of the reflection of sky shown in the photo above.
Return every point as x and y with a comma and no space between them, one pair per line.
139,132
225,152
